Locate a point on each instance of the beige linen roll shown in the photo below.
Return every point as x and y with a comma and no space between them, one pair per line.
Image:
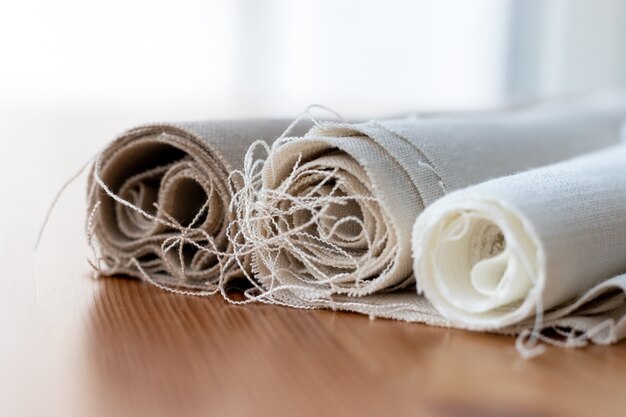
170,219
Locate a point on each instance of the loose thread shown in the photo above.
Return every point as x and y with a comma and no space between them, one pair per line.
55,200
259,212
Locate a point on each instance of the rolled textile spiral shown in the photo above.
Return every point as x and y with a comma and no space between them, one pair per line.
159,200
332,215
546,244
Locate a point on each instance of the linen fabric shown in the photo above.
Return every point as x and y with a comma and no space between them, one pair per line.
546,241
335,210
171,218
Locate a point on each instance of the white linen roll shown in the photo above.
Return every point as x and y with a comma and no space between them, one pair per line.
495,255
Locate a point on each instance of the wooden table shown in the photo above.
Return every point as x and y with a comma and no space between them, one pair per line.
75,346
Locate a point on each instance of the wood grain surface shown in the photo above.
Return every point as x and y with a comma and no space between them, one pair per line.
73,346
162,352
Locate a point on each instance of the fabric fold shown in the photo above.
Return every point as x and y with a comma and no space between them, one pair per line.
159,200
333,215
547,243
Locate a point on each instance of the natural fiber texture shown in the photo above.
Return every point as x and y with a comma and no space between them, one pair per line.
159,200
331,216
546,241
326,221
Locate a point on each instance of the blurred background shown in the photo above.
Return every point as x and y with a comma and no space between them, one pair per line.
160,59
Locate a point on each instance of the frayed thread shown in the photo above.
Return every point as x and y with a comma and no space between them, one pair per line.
225,259
262,220
56,199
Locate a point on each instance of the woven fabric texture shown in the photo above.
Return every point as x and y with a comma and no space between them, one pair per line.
547,242
509,222
335,209
171,216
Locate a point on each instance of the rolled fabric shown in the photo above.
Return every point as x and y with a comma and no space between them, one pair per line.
170,216
548,241
334,214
